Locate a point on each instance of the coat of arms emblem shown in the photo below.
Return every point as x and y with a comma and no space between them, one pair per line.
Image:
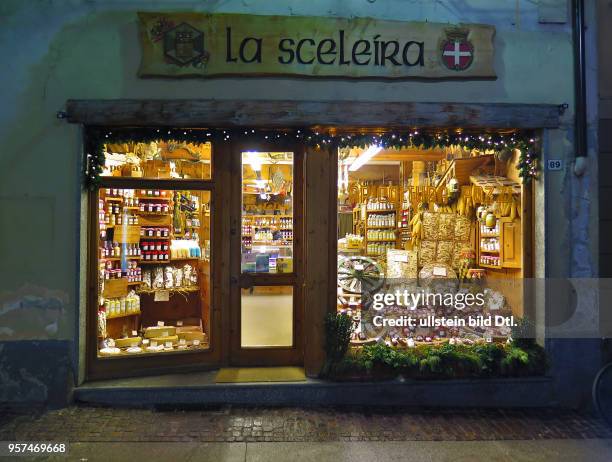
457,51
184,45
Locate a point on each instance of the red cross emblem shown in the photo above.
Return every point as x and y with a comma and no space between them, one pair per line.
457,54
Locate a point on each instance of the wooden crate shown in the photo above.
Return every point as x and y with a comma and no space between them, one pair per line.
126,234
115,288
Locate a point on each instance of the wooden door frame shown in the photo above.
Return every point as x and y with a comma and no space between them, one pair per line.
269,355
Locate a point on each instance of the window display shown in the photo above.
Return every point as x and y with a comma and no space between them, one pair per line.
158,159
430,221
154,270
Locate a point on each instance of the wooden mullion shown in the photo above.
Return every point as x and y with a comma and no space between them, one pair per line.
152,183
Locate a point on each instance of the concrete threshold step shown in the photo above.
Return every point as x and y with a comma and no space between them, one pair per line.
199,388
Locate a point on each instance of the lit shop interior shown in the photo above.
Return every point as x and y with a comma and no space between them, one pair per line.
154,272
154,261
409,219
267,237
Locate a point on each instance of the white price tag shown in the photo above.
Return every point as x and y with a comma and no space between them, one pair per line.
182,341
554,164
160,323
162,296
134,333
168,344
196,342
179,323
439,271
401,257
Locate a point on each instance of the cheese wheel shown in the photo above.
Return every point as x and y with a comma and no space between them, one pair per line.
182,329
127,342
163,340
157,331
190,336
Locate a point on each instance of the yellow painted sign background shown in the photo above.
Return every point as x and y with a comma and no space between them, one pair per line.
193,44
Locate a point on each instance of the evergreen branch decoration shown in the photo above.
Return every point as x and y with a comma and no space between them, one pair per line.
338,330
525,141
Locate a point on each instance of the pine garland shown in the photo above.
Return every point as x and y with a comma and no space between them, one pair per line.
526,142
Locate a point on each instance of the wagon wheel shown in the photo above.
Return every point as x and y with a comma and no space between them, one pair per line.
358,273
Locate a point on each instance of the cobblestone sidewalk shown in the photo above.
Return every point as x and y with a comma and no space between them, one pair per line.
229,424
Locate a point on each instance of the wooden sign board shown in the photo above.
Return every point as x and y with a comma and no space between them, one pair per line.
205,45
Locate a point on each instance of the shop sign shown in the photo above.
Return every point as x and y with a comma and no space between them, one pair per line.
203,45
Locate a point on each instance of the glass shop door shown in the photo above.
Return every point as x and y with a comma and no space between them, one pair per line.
266,254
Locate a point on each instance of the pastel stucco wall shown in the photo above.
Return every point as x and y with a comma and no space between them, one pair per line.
60,49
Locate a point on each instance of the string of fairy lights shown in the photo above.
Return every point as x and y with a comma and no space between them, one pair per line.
526,141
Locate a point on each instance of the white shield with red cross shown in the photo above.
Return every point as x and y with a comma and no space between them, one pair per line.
457,54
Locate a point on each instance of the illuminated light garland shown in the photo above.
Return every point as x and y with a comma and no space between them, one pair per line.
526,142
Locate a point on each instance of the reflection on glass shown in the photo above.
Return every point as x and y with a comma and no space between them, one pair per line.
267,212
158,159
154,271
267,316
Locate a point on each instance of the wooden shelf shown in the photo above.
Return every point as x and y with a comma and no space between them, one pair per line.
489,251
381,240
382,211
380,227
119,258
172,289
113,199
490,266
123,315
154,198
154,262
156,214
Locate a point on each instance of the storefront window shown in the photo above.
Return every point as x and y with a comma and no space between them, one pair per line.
154,271
422,222
267,212
158,159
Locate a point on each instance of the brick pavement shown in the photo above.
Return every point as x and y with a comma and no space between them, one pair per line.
231,424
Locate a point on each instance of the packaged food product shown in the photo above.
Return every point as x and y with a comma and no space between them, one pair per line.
444,252
446,226
427,252
430,226
462,229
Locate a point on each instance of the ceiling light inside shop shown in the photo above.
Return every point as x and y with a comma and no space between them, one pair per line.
365,157
254,161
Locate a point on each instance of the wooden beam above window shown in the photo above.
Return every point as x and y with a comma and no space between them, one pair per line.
290,114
